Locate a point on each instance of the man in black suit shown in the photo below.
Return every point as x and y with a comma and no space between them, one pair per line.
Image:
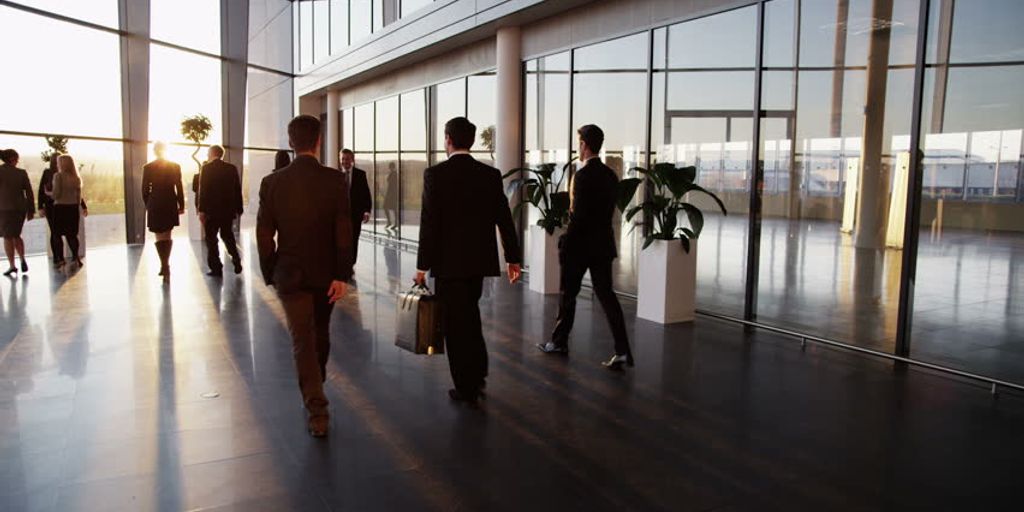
306,206
219,204
359,194
589,244
463,200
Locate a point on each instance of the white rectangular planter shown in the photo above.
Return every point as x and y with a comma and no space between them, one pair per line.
668,282
543,260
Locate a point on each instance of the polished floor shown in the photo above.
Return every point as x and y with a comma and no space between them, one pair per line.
117,393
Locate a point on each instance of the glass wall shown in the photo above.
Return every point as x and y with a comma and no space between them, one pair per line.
969,312
833,149
328,27
190,23
395,139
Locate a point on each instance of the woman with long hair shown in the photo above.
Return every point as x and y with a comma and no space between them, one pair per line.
67,200
281,160
164,195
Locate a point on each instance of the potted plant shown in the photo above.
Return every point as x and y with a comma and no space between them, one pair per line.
540,187
195,129
667,270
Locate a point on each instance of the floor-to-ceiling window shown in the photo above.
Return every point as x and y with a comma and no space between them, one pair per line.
832,143
969,294
69,84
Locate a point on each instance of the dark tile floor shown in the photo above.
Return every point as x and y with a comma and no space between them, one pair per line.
119,394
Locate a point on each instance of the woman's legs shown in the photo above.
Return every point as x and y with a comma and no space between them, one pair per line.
19,245
163,248
9,250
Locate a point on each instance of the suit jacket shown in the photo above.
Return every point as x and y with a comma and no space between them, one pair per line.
220,190
161,186
589,233
15,190
359,193
307,206
463,200
46,182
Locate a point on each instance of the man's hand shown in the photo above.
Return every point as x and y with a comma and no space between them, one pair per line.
181,211
336,291
42,213
85,212
202,217
514,273
421,278
366,217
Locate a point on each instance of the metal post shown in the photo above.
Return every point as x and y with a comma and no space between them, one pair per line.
757,182
134,22
913,218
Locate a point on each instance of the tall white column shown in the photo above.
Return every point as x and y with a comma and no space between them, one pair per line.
508,144
234,38
331,131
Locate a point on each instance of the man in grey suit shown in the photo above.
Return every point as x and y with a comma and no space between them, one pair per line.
306,206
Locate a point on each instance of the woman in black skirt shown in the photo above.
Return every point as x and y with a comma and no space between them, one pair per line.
67,199
164,195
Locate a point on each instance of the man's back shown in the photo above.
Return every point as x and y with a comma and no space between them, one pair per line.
220,190
306,205
463,202
590,230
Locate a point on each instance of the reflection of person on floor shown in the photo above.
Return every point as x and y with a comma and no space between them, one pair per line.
589,244
305,205
463,202
16,206
67,206
164,195
391,198
359,195
219,203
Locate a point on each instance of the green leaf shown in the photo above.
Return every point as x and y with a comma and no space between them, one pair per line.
696,218
686,243
626,191
721,205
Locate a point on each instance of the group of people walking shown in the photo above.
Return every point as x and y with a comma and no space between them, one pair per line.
60,202
307,233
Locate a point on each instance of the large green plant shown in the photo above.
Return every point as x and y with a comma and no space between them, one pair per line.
542,191
669,185
196,129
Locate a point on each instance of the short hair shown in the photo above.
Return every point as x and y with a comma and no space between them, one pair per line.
348,151
217,150
66,164
9,156
592,135
282,159
461,132
303,133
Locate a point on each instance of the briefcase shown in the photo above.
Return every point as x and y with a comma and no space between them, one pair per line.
419,322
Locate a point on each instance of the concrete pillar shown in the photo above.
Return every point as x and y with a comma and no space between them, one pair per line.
133,20
839,62
332,135
508,145
872,213
234,39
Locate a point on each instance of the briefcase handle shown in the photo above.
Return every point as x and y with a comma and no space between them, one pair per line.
416,290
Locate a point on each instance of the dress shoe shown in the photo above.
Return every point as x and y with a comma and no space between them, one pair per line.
238,267
465,398
553,348
618,361
24,266
215,273
318,426
11,271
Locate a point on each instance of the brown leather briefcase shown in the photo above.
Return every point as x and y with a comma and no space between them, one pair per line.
419,322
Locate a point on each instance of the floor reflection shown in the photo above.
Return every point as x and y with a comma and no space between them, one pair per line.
117,393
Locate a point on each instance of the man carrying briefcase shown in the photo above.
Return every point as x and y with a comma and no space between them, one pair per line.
419,322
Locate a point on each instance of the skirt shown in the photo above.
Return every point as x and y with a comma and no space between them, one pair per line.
11,222
160,219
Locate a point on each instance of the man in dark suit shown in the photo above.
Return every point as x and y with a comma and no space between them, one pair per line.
463,200
589,244
359,193
219,204
306,206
